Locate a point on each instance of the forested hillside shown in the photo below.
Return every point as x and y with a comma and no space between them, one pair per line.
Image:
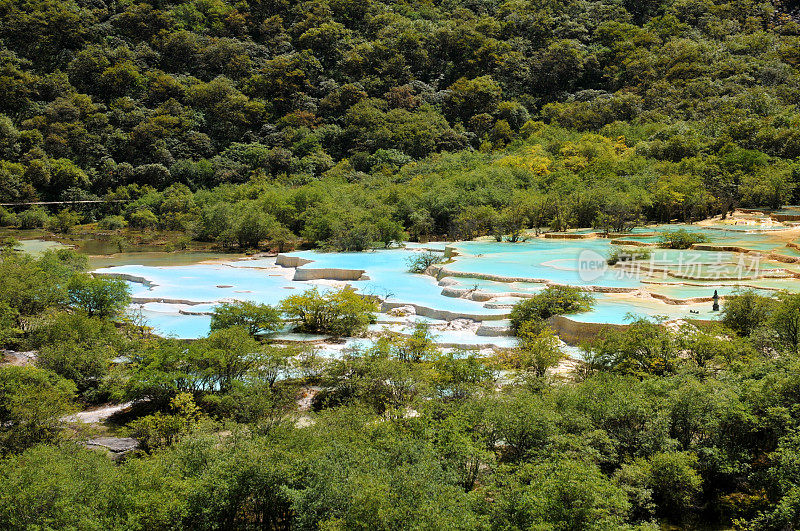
119,100
690,427
354,124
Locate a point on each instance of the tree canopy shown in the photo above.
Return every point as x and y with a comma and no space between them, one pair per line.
249,124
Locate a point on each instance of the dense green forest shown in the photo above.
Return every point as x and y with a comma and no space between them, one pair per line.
692,427
345,123
348,124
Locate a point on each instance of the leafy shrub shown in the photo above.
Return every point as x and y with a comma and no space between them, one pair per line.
112,223
644,348
784,321
252,227
31,285
389,231
102,297
619,254
63,221
10,326
339,312
280,236
160,430
420,262
745,311
79,348
255,318
8,218
553,300
680,239
33,218
84,364
32,402
538,349
670,479
528,497
74,327
143,219
357,237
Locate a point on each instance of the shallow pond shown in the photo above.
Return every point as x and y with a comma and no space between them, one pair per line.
37,247
176,291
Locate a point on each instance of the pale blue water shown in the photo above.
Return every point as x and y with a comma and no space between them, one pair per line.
390,280
745,236
677,291
544,259
493,286
540,261
558,261
614,311
207,283
248,280
37,247
173,324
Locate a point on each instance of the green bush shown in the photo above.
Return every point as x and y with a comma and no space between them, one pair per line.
644,348
680,239
553,300
10,326
32,285
390,231
143,219
340,313
745,311
63,221
160,430
112,223
8,218
32,402
420,262
784,321
74,327
619,254
538,349
252,226
102,297
255,318
80,481
33,218
84,364
280,237
669,481
573,493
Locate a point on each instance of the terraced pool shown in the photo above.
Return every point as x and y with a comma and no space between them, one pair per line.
480,283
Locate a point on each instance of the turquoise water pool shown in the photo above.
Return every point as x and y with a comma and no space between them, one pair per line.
37,247
610,310
175,298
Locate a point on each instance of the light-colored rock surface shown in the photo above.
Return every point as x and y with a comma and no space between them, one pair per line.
306,399
18,358
574,332
291,261
442,315
94,416
146,300
566,368
440,272
328,273
126,276
402,311
459,325
455,292
488,330
115,445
